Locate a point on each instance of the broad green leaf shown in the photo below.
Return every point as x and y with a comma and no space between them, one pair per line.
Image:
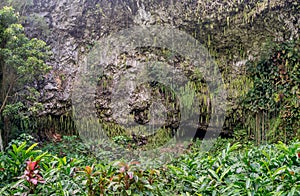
224,173
248,183
40,156
30,148
279,171
213,174
21,147
15,149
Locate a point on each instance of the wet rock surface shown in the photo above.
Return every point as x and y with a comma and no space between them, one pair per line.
225,27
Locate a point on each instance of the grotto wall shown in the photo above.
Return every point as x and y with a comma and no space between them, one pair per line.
233,31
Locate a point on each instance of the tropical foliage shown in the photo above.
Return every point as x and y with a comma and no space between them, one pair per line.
226,170
274,100
22,65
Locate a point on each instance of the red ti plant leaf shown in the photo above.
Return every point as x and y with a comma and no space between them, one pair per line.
122,169
88,170
134,163
32,165
34,181
32,174
130,174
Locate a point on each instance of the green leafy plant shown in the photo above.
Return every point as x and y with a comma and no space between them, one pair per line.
274,98
122,140
22,62
98,181
229,169
13,161
24,137
32,176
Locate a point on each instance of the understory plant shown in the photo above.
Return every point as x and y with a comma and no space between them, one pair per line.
232,169
272,106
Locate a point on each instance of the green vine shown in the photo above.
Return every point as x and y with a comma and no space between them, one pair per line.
276,90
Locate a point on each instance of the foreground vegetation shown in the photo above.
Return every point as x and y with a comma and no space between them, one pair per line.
230,168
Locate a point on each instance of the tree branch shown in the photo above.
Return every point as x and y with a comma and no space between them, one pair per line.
6,97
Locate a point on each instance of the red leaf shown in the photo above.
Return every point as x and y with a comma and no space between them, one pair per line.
122,169
88,170
130,174
135,163
31,165
34,181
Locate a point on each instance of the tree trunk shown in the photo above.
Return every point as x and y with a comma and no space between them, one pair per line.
1,142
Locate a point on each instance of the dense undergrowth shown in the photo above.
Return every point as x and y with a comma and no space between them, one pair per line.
229,168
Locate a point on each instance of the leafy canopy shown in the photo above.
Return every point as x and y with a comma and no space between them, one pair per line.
22,61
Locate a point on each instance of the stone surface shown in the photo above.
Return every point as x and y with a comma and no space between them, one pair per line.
233,31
